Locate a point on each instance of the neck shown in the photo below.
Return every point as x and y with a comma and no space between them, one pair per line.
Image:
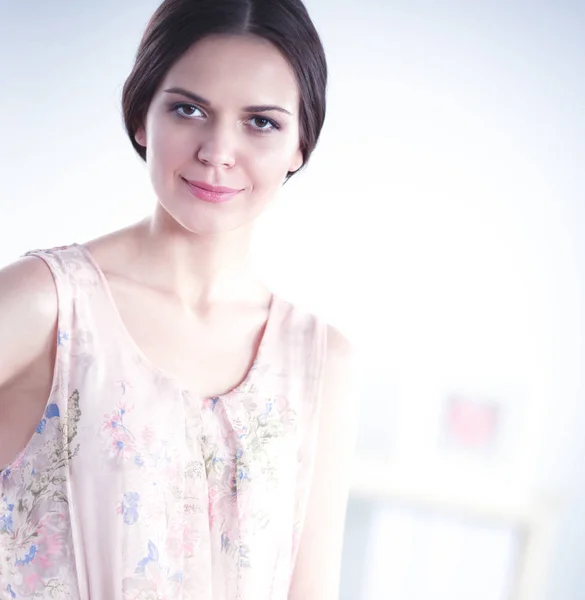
199,270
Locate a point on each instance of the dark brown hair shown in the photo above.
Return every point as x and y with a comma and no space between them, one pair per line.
178,24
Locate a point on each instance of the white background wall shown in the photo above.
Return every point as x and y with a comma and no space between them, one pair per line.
445,204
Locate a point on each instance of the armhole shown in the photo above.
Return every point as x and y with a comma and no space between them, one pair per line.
321,341
61,288
310,436
315,379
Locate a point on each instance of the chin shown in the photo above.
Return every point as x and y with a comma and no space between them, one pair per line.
202,223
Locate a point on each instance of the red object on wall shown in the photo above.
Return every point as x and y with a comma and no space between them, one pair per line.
471,423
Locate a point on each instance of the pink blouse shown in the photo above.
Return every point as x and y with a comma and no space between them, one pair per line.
133,487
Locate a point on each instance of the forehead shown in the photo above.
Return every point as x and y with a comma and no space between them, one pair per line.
243,69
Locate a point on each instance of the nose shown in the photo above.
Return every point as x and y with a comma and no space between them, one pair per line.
217,148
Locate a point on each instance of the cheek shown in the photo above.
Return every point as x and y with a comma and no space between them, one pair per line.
266,172
270,161
169,147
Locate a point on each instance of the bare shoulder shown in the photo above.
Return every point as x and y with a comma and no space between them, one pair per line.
27,286
339,397
339,346
27,270
340,370
28,314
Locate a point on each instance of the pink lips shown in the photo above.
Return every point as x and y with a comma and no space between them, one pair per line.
211,193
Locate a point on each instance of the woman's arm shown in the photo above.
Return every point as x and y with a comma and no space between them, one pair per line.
28,316
28,342
317,569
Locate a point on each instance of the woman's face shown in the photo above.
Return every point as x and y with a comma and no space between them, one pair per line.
226,115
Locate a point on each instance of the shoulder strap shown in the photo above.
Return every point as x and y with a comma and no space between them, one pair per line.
76,281
58,260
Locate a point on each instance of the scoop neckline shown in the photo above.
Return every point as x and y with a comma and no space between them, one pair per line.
159,371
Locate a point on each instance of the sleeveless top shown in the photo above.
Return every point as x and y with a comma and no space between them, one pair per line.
133,488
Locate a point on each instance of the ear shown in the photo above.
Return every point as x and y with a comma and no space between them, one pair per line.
297,161
140,137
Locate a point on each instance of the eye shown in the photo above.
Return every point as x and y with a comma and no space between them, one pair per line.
187,110
263,124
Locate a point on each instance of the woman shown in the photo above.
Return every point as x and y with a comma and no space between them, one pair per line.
197,431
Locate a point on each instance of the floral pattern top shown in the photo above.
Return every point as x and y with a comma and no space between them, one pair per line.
134,488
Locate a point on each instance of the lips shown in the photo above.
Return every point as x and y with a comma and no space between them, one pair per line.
216,189
211,193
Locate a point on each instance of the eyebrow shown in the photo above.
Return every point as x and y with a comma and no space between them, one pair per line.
259,108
